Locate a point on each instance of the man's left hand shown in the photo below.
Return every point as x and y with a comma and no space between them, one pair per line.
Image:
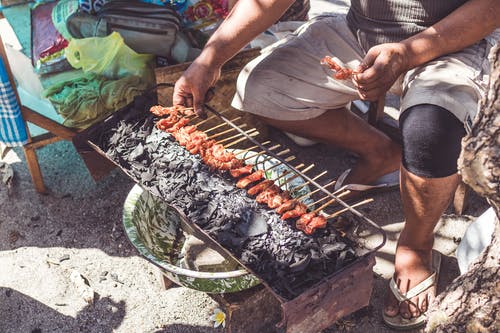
381,67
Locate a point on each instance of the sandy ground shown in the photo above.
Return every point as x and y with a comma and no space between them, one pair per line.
77,227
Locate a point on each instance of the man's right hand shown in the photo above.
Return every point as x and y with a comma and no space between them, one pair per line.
192,88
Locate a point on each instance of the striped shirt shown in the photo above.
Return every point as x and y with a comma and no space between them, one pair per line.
385,21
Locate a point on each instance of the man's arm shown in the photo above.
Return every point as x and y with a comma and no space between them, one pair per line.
246,20
463,27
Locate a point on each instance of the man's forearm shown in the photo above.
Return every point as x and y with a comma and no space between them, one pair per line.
465,26
246,21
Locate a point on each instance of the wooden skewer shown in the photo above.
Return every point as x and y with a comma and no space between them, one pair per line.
237,135
226,131
210,118
286,172
242,139
283,152
298,175
345,209
262,152
343,194
308,182
316,190
218,126
288,159
253,147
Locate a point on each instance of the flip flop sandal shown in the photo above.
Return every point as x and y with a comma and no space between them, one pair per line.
399,323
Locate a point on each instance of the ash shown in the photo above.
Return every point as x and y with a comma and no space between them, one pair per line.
287,260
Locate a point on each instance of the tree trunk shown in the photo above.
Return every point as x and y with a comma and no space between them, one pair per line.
471,303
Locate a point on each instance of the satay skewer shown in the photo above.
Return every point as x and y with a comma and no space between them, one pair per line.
242,139
347,208
209,118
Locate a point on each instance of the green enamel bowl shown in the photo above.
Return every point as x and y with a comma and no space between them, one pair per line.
154,228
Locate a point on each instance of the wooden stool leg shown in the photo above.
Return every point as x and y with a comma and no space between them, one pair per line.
461,197
34,169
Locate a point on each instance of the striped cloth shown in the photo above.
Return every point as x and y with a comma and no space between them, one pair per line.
12,126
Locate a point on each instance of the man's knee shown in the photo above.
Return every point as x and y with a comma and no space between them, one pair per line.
431,140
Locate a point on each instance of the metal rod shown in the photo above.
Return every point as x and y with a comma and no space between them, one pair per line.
346,209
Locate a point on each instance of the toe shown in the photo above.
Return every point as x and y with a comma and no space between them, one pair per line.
404,310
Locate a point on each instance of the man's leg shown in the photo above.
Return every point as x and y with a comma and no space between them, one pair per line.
378,154
431,145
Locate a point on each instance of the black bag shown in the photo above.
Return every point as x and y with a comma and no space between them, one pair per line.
145,27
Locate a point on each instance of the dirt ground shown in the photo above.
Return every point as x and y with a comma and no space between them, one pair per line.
77,227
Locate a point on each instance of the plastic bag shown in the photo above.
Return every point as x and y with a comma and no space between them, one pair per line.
109,56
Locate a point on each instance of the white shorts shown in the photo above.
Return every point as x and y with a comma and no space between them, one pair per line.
287,82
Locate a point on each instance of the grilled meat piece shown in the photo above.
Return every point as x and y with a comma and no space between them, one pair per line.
244,170
278,199
317,222
304,220
297,211
286,206
247,180
266,195
256,189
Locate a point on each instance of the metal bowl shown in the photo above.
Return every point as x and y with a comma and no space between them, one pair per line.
154,228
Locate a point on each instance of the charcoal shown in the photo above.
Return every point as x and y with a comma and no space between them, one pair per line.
286,259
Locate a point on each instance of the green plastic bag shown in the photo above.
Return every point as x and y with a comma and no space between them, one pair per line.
109,56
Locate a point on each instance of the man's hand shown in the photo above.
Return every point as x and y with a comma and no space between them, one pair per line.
193,87
381,67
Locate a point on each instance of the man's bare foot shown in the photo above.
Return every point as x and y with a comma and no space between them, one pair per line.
411,268
379,163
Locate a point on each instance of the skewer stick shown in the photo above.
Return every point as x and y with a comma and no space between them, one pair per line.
352,206
308,182
288,159
237,135
283,152
343,194
204,121
298,175
242,139
218,126
286,172
225,132
316,190
253,147
262,152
